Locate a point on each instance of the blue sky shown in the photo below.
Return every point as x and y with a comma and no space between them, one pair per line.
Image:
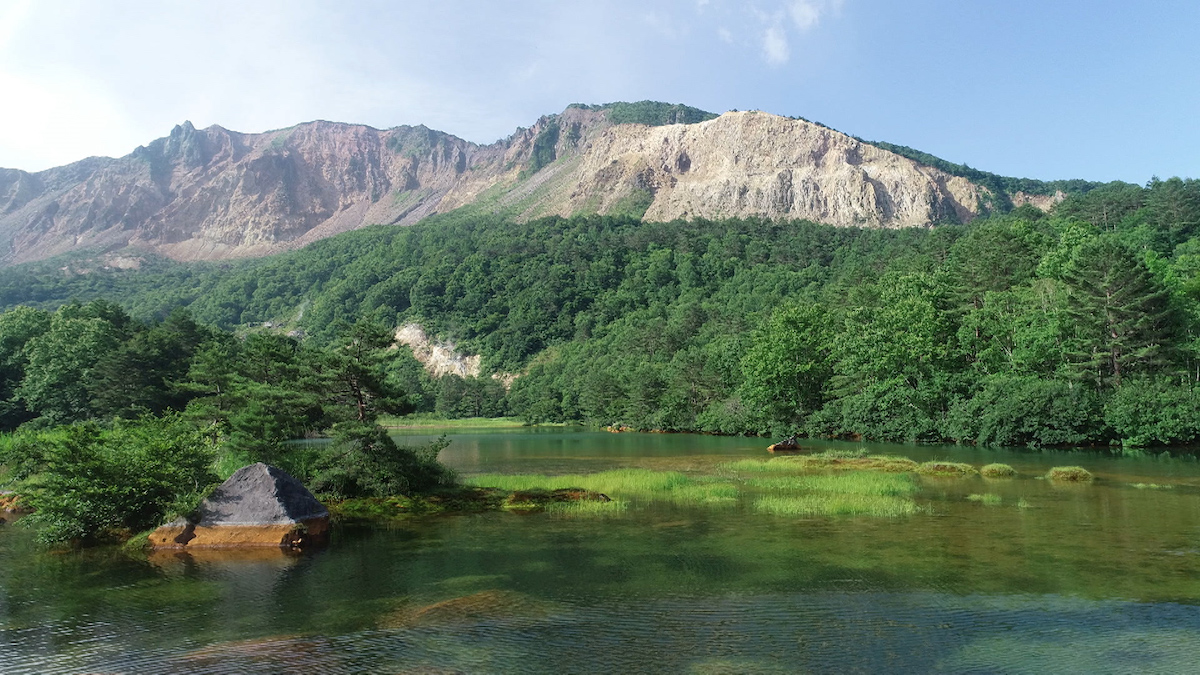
1101,90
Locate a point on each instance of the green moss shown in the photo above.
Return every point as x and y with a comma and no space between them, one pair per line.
1072,474
998,471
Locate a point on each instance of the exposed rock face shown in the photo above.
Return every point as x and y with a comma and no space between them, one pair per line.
439,358
259,505
214,193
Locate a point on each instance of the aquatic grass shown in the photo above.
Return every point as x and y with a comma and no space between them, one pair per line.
620,483
988,499
587,509
1070,474
836,505
946,469
864,483
997,471
1151,486
1023,504
820,462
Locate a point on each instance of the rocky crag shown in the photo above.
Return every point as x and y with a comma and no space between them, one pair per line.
208,194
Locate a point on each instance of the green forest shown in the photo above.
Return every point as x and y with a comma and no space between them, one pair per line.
1076,327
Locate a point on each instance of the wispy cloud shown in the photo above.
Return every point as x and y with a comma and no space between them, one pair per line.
775,46
800,16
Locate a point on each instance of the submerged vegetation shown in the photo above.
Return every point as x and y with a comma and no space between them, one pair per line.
1070,474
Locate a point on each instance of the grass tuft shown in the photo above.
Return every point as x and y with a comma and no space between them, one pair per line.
1151,486
998,471
987,499
825,461
946,469
621,484
836,505
1072,474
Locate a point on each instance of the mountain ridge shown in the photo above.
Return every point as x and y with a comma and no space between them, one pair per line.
213,193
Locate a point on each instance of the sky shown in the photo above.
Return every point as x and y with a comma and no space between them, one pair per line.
1101,90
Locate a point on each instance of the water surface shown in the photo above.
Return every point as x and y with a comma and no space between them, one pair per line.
1096,578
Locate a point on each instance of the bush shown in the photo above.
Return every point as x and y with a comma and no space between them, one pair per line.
364,461
1153,411
91,483
1012,411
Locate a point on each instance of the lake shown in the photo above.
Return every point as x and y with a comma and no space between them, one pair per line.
1054,578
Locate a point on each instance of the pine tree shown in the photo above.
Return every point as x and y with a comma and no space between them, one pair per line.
1120,313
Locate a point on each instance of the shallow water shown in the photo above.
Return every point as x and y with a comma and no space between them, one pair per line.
1094,578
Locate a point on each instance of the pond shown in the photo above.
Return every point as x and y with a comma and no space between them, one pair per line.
1053,578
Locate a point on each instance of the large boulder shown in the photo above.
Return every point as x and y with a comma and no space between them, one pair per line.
259,505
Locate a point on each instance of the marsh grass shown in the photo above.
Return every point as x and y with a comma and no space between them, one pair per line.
1023,504
998,471
987,499
946,469
865,483
587,509
1151,486
825,461
836,505
623,484
1071,474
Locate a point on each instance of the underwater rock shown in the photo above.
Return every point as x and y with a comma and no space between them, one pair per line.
259,505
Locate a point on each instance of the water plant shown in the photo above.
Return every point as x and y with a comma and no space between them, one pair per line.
946,469
587,509
988,499
1151,486
823,461
1072,474
621,483
997,471
836,505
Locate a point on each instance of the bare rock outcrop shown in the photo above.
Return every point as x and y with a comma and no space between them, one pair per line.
215,194
259,505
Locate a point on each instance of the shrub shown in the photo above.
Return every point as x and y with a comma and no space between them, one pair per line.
1012,411
364,461
1153,411
93,483
1073,474
998,471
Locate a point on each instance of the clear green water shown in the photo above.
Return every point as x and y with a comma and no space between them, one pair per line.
1098,578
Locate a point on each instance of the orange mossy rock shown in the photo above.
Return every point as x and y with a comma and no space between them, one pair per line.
259,505
786,445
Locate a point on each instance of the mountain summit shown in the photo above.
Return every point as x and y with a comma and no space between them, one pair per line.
206,194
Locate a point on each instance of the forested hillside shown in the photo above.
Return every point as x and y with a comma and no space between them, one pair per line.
1075,327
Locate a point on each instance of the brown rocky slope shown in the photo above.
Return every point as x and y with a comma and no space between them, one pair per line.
207,194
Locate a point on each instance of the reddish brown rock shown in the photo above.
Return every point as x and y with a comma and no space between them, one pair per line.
259,505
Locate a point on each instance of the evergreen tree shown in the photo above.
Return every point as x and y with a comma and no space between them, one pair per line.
1121,315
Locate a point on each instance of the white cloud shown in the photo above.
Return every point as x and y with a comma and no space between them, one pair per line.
805,14
725,35
775,46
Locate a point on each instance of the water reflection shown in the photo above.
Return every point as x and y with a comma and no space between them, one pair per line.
1042,578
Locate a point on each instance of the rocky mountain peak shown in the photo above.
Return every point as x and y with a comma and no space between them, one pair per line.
213,193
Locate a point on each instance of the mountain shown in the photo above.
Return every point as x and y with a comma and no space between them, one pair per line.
211,194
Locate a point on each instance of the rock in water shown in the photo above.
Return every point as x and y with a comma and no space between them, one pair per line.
259,505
